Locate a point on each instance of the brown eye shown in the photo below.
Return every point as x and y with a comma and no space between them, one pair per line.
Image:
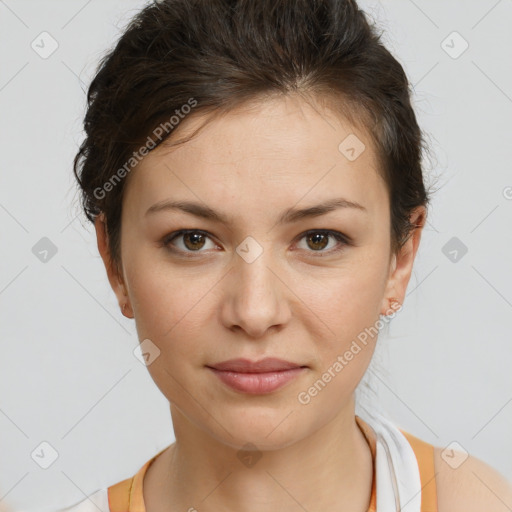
317,241
191,241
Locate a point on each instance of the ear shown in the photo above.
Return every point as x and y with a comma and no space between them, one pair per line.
402,263
116,281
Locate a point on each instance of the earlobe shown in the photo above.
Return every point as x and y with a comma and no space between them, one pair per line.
127,310
390,306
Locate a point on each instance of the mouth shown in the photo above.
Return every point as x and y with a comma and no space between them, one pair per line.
257,377
269,364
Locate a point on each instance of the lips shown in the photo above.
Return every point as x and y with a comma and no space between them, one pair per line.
269,364
256,377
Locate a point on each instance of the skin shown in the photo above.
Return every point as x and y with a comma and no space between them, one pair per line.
290,302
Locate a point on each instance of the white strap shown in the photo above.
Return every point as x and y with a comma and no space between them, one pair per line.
398,483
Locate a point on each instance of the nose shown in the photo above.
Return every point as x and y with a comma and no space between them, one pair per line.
256,296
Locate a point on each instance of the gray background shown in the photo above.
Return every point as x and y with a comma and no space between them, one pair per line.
68,375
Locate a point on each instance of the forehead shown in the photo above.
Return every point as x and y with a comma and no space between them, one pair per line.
281,150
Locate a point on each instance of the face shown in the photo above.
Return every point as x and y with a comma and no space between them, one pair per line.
259,283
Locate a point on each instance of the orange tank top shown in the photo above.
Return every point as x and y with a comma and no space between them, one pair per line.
127,495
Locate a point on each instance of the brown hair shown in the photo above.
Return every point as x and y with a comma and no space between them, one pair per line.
223,53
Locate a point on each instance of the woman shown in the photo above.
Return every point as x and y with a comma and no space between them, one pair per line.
253,171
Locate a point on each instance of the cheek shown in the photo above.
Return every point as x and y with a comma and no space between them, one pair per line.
345,298
345,306
172,310
165,308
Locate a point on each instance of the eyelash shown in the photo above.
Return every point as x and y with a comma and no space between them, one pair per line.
344,240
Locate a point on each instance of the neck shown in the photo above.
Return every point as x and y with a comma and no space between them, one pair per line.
329,470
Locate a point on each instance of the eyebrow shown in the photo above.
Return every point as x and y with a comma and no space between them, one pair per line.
287,217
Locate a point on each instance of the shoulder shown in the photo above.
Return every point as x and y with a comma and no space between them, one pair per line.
467,484
96,502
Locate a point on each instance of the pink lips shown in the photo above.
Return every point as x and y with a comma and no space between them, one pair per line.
256,377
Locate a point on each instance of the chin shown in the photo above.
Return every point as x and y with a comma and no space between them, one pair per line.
264,432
